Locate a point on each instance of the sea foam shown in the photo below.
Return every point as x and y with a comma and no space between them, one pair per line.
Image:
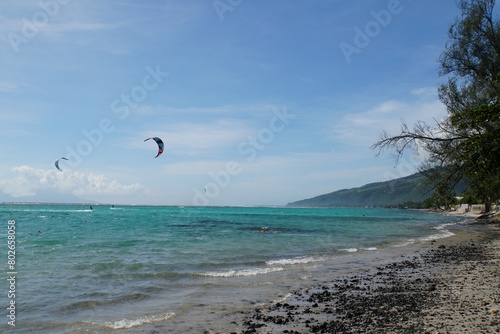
242,272
297,260
129,323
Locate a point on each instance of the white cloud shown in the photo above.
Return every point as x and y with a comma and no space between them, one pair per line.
59,30
58,21
163,110
190,138
256,109
210,130
222,133
364,128
196,168
29,181
426,92
281,179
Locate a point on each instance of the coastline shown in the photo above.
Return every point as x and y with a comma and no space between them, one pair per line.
447,285
203,271
450,285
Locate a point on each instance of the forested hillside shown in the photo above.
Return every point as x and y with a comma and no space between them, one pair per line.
411,188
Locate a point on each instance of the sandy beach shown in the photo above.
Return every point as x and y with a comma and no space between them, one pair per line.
447,286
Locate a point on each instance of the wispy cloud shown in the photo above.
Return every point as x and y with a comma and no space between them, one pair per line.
216,111
190,138
365,127
19,30
60,29
195,168
208,129
7,86
8,115
230,132
167,110
425,92
13,123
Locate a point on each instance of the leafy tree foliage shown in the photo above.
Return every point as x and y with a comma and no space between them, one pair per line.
466,145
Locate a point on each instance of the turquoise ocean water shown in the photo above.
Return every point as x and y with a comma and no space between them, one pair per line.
117,269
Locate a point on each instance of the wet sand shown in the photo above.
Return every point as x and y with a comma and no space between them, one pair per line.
449,286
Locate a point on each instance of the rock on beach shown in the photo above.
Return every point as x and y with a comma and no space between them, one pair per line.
453,287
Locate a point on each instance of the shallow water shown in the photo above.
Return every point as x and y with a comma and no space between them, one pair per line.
115,269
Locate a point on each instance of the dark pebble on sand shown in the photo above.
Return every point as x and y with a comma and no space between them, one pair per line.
389,300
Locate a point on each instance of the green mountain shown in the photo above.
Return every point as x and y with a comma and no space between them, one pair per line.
411,188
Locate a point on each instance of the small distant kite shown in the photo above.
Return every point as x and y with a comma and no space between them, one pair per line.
57,162
160,145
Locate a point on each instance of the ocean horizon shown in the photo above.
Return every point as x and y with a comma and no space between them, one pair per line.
117,268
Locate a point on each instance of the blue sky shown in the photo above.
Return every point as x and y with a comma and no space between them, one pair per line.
257,102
